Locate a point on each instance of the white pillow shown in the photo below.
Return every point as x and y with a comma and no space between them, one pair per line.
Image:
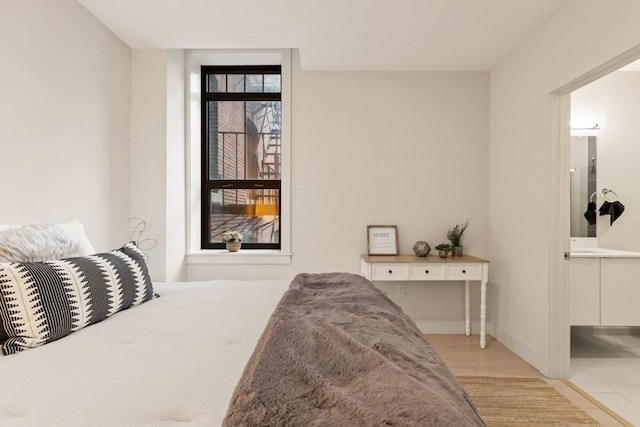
36,243
75,231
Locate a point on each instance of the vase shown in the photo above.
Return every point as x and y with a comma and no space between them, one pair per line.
443,254
234,246
457,251
421,248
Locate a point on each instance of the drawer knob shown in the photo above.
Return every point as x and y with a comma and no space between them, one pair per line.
464,271
390,271
426,271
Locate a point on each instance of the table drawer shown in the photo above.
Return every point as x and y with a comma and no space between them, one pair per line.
426,272
464,271
390,272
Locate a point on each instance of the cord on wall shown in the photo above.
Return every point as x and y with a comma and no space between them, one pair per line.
138,226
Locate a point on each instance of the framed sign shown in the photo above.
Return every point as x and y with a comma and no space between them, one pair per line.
382,239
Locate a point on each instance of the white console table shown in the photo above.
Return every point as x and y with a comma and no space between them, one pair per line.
433,268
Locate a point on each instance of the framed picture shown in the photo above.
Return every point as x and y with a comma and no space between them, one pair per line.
382,239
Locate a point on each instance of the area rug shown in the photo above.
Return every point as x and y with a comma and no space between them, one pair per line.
513,402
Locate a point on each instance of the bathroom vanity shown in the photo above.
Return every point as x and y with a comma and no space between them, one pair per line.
604,287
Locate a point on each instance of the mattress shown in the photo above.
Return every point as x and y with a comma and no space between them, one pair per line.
175,359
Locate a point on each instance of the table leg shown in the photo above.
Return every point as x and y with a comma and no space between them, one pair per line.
483,313
467,310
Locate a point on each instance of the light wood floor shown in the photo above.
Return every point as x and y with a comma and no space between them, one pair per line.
464,357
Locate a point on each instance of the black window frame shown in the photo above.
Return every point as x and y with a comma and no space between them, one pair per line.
208,184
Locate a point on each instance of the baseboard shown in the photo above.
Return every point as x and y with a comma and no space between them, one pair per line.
530,354
451,327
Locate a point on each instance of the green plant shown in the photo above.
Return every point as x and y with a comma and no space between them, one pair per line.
443,247
455,234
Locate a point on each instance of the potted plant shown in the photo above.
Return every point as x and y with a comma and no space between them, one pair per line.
443,249
233,239
455,235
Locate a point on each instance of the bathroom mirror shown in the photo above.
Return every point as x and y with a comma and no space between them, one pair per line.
583,172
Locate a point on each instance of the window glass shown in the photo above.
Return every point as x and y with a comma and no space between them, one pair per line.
235,83
217,83
254,83
272,83
244,140
242,154
255,213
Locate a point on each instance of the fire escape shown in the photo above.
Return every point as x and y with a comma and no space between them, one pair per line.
269,152
263,151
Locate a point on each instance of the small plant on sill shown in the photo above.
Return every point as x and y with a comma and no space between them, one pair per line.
231,236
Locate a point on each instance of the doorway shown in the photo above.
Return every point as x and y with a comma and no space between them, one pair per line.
585,346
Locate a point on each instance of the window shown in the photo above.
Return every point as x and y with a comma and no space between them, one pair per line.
241,155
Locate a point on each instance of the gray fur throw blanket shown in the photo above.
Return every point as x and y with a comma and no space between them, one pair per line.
338,352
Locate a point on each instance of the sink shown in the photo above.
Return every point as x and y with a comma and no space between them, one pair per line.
603,252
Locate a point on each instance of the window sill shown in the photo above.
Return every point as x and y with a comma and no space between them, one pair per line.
222,256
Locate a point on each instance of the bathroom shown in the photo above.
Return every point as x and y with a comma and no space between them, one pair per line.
605,241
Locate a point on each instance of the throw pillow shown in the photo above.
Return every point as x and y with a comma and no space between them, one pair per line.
41,302
31,251
37,242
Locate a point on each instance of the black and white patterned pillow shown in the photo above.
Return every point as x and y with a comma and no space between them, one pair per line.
41,302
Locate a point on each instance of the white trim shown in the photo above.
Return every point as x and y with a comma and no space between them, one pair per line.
194,60
559,330
519,346
560,100
222,256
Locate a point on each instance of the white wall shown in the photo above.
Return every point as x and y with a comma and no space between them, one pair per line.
409,149
157,153
618,164
582,36
175,178
64,119
149,150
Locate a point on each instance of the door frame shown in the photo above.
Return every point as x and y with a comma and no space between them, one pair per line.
560,100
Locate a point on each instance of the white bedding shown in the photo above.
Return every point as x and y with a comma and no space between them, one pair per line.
175,359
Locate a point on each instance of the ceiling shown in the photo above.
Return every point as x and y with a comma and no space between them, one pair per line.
435,35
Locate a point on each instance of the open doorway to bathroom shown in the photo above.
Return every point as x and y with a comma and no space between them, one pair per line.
604,267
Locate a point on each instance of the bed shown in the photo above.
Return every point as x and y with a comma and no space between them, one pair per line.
175,359
104,346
